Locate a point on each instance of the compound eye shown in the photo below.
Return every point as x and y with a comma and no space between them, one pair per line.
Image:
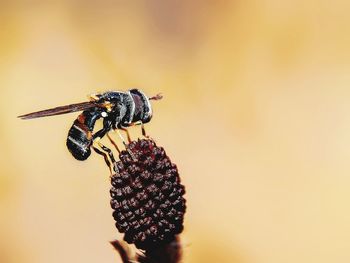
104,114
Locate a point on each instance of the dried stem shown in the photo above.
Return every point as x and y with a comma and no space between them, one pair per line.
123,250
166,253
162,253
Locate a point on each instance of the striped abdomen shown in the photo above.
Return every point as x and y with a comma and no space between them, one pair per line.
79,138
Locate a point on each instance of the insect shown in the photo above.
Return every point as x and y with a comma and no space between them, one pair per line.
119,110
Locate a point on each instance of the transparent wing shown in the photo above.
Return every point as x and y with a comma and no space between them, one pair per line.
61,110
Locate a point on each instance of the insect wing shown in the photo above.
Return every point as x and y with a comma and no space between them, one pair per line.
61,110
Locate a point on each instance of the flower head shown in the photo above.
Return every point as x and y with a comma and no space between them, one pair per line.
147,195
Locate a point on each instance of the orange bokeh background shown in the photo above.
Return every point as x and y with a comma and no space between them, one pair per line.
256,114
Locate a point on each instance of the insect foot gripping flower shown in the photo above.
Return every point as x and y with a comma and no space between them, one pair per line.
147,196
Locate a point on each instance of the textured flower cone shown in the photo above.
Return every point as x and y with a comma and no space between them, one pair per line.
147,196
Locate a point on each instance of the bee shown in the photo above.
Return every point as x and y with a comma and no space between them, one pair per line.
118,110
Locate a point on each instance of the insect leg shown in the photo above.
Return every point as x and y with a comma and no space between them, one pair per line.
107,124
111,156
113,142
131,154
127,134
105,156
109,152
121,136
144,131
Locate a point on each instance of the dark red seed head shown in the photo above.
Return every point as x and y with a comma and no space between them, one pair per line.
147,195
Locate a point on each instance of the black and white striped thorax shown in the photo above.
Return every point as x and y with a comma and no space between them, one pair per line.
126,108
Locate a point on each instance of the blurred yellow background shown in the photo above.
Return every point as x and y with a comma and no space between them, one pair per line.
256,114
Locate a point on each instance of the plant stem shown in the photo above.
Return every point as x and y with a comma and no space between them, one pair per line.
163,253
